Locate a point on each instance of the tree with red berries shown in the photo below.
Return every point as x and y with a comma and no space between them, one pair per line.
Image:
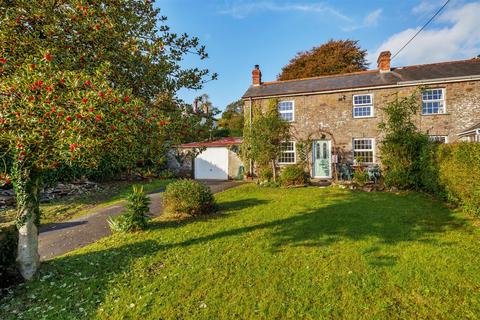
80,80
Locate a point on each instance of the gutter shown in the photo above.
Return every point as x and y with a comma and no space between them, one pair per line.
399,84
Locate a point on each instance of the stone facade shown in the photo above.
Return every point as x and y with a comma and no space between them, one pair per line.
329,115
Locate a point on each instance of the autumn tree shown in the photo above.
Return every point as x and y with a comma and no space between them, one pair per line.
80,80
333,57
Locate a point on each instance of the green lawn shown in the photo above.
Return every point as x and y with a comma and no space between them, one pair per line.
69,207
306,253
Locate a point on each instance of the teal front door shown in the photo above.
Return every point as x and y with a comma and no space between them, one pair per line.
322,166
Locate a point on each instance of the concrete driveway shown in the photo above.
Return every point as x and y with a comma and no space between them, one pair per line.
59,238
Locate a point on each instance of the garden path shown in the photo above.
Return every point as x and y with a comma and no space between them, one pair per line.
59,238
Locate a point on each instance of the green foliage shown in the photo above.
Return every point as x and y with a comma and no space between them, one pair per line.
294,175
262,140
8,253
137,213
232,119
333,57
189,197
403,143
64,103
265,174
360,176
452,171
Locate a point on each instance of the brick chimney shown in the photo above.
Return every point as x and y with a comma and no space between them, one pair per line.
383,61
256,76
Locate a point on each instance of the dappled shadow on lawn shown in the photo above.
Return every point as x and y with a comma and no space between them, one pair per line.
225,209
386,218
389,218
241,204
75,284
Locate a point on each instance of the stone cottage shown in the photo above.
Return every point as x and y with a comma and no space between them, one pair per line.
340,114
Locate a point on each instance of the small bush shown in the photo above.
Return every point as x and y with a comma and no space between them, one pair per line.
137,213
265,174
294,176
360,177
188,196
8,254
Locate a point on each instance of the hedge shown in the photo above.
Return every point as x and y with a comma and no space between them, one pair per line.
8,254
452,171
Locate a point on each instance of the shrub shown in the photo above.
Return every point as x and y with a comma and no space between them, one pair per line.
294,176
454,171
188,196
403,143
137,213
265,174
360,177
8,254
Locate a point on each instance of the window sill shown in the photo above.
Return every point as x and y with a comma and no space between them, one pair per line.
359,118
434,114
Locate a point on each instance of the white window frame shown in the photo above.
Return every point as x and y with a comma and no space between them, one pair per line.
443,101
294,151
362,105
436,136
285,112
364,150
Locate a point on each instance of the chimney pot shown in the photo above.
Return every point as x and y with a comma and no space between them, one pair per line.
383,61
256,76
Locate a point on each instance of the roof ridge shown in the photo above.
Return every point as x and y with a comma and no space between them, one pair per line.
475,59
323,76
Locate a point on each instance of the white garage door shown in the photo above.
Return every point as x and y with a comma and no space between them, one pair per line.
212,164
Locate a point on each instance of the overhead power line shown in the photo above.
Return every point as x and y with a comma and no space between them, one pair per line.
421,29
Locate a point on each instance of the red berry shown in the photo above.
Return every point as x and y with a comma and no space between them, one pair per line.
68,118
98,118
126,99
73,146
84,100
3,60
49,89
100,94
98,27
48,57
79,116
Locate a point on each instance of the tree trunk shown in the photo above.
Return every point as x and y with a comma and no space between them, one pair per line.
27,188
274,171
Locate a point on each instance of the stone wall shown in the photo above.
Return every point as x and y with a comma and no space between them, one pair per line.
330,114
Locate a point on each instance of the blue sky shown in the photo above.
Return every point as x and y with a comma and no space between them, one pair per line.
241,33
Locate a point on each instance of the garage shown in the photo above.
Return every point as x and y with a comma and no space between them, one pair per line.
212,164
216,160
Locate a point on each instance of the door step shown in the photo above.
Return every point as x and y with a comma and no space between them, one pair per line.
321,182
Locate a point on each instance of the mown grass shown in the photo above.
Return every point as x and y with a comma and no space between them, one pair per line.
74,206
307,253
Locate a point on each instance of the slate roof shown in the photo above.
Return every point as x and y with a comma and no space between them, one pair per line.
370,78
225,142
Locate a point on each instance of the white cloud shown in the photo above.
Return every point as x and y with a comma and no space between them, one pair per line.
456,36
370,20
426,6
241,9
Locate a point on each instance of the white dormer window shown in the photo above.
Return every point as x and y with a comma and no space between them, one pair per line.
363,105
433,101
286,110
